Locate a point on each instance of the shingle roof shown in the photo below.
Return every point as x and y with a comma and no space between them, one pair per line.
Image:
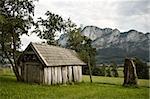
56,56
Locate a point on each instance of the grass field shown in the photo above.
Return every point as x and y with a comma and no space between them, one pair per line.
101,88
120,71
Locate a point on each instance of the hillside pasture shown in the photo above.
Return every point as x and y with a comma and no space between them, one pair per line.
101,88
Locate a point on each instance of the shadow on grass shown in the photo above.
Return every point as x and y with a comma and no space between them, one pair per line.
107,83
7,78
122,85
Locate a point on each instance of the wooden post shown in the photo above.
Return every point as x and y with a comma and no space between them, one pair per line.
59,75
130,76
90,69
69,73
49,75
64,74
75,73
45,75
54,75
79,73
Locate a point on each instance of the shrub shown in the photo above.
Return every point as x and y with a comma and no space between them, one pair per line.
108,71
114,70
103,68
142,69
85,70
97,71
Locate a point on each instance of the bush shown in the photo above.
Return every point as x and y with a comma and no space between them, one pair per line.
97,71
85,70
114,70
108,71
142,69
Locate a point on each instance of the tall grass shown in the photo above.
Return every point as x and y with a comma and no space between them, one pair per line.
101,88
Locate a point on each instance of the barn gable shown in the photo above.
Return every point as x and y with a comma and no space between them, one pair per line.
31,52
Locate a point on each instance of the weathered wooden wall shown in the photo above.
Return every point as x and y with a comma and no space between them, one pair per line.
64,74
34,72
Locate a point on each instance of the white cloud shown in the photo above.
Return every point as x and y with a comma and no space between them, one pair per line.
121,14
106,13
27,39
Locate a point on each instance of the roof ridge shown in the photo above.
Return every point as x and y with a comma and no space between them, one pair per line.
50,45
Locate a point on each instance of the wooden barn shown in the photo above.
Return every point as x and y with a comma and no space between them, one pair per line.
47,64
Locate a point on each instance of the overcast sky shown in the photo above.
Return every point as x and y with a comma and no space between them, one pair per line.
121,14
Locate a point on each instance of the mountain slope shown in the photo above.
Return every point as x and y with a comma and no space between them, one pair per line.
113,45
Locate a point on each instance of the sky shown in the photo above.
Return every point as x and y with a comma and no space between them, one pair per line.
121,14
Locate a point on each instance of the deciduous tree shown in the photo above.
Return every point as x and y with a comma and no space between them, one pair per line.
16,19
82,45
46,28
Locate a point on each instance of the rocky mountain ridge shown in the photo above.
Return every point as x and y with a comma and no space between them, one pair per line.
113,45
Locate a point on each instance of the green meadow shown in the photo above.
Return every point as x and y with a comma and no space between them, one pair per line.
101,88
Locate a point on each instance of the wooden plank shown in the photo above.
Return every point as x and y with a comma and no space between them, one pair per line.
52,73
30,73
64,74
37,75
49,75
24,73
79,73
69,73
55,75
59,75
76,69
33,63
27,73
33,73
45,75
75,73
41,73
29,52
